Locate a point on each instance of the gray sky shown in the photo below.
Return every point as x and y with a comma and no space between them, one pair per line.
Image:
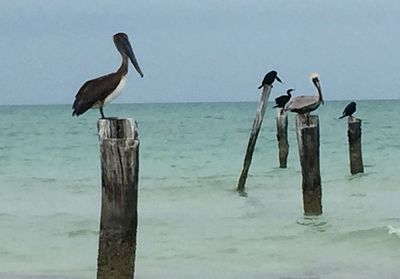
192,50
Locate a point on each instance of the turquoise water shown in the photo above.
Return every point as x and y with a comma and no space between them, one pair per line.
192,223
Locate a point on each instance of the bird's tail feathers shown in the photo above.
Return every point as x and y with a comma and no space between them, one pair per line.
260,86
342,116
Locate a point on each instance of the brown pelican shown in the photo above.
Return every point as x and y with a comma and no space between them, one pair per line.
306,104
270,78
282,100
349,110
97,93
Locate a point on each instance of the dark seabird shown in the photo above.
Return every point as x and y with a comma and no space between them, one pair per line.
306,104
349,110
97,93
282,100
270,78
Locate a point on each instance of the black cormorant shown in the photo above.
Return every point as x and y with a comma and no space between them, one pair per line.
270,78
282,100
349,110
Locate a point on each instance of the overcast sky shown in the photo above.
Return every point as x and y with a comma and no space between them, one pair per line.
192,50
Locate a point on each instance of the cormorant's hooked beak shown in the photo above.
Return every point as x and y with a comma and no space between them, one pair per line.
278,79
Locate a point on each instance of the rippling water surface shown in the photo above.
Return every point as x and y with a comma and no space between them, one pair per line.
192,223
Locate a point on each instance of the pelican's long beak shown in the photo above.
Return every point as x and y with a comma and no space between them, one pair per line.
320,92
278,79
129,52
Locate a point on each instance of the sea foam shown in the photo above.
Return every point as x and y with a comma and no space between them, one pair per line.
393,230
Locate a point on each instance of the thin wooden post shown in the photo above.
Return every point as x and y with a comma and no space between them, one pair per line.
308,140
119,153
281,134
354,135
253,137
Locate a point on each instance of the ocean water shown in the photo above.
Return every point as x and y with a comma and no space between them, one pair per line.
192,223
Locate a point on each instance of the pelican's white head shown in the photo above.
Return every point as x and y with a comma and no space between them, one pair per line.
314,76
315,79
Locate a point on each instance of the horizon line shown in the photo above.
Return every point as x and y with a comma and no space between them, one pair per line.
189,102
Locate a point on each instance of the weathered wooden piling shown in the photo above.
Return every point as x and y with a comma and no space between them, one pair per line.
354,135
281,134
119,152
253,137
308,140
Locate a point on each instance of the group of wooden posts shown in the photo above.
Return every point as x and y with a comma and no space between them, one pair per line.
307,130
119,153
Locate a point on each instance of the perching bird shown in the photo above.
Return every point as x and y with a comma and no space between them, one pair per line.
306,104
270,78
97,93
282,100
349,110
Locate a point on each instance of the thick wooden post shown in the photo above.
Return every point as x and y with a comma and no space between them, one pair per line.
354,135
253,137
308,139
281,134
119,152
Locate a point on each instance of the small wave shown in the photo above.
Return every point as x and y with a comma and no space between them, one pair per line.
155,178
231,250
360,195
70,147
376,234
317,223
44,179
387,127
393,230
360,175
219,117
78,233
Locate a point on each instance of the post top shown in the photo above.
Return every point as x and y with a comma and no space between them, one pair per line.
117,128
267,87
301,121
352,119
